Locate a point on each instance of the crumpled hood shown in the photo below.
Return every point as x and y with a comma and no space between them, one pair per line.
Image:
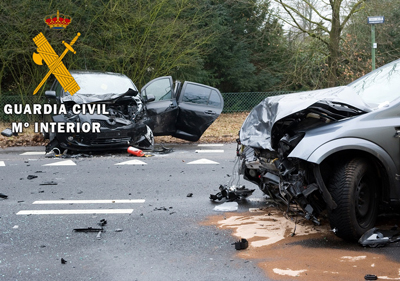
95,98
256,129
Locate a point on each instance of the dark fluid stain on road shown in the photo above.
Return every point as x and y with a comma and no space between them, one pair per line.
313,253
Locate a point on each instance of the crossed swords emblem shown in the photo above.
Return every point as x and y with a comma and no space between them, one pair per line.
54,62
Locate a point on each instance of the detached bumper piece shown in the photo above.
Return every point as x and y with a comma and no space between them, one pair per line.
232,193
379,238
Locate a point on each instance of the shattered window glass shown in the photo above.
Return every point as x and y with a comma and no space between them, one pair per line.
196,94
161,89
381,86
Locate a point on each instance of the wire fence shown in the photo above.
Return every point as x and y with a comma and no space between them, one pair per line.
233,102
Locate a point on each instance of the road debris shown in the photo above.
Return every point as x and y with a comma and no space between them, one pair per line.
88,229
241,244
30,177
379,238
162,209
3,196
99,231
227,207
63,261
232,193
135,151
49,183
370,277
189,195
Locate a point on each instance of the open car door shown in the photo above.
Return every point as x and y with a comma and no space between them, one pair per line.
199,106
184,112
163,111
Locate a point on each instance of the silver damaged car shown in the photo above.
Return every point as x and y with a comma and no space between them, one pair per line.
334,150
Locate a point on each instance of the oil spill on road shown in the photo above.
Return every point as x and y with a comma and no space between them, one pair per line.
313,253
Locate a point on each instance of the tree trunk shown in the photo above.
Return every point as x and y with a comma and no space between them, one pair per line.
334,46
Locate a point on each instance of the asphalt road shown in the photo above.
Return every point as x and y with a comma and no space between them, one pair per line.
153,231
162,238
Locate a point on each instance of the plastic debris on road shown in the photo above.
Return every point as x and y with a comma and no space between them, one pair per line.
227,207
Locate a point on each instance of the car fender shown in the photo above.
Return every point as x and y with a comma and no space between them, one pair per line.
319,154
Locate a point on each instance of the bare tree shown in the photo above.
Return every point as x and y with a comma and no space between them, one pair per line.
330,18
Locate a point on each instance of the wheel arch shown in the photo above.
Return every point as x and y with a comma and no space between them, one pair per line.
341,150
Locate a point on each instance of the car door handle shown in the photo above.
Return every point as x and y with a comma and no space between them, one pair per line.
397,135
210,112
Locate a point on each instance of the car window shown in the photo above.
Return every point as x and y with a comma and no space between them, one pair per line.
161,89
196,94
215,99
381,86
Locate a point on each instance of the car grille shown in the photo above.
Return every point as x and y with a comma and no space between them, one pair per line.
110,141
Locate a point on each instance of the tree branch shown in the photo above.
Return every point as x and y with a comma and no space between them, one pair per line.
297,25
352,11
316,11
287,8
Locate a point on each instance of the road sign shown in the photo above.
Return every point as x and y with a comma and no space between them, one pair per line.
376,19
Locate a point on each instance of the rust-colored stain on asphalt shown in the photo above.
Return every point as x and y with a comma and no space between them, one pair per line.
313,253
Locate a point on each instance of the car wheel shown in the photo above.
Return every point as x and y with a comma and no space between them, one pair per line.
354,189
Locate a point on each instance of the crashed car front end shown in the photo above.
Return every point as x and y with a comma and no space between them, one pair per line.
280,124
116,125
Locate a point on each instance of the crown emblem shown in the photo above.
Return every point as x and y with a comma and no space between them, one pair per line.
57,21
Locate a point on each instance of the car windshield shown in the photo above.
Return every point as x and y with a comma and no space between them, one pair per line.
379,87
102,83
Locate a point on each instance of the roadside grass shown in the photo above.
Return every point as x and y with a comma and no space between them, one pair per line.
224,130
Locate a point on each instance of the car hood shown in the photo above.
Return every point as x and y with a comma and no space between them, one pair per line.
95,98
256,129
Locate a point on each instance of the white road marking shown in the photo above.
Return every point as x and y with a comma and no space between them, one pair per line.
210,151
132,162
62,163
211,144
203,161
75,212
89,201
2,164
34,153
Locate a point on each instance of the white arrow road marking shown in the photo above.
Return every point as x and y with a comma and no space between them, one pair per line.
89,201
210,151
34,153
75,212
211,144
62,163
132,162
203,161
2,164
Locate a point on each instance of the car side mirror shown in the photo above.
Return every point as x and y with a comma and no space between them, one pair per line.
50,94
150,98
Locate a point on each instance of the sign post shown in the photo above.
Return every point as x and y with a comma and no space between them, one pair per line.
372,21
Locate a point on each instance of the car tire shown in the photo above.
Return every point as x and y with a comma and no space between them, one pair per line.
354,189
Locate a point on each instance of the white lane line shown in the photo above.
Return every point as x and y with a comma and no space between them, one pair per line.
211,144
137,201
210,151
2,164
62,163
34,153
203,161
75,212
132,162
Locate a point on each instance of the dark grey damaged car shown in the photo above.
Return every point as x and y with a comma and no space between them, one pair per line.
162,107
334,150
